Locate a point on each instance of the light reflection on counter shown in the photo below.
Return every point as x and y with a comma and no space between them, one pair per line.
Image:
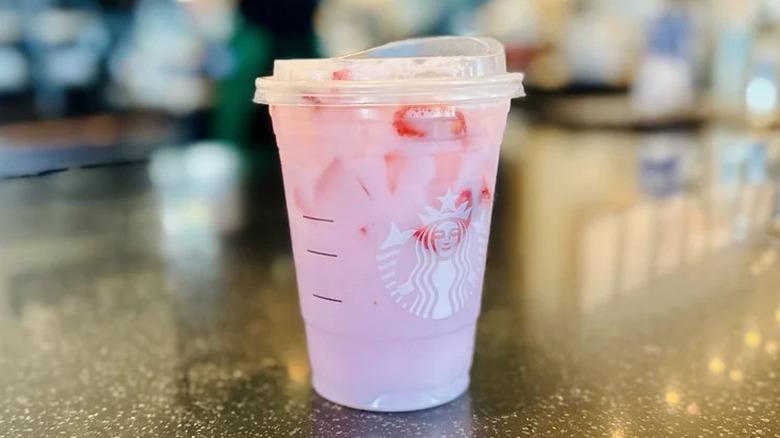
716,365
454,419
199,187
736,375
771,347
753,339
593,230
606,215
617,433
672,397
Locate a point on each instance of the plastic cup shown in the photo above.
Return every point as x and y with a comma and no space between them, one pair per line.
389,159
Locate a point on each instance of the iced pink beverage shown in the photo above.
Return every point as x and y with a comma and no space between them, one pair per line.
389,196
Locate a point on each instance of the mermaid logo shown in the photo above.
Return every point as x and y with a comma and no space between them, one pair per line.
434,270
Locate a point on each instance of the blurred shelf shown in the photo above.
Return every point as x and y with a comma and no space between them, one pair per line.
15,107
28,148
613,110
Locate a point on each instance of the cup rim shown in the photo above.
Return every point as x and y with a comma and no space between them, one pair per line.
272,91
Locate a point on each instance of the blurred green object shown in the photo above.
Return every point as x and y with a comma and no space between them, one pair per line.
236,118
251,49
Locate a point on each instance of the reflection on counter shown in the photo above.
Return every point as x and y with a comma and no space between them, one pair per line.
614,214
200,189
454,419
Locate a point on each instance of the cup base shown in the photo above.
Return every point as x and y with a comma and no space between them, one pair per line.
391,402
390,375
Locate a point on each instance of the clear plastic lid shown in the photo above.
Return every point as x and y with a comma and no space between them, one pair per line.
423,70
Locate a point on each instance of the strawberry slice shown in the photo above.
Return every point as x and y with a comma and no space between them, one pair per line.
465,196
486,195
405,130
404,119
314,101
459,128
402,126
344,74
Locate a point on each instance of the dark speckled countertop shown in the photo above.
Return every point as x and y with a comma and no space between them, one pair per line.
136,304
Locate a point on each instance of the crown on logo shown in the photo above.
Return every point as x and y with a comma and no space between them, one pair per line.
448,210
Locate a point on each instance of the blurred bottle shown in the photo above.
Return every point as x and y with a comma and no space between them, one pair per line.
602,45
739,165
67,41
761,94
534,33
773,151
665,85
158,63
15,71
264,30
733,35
658,221
660,165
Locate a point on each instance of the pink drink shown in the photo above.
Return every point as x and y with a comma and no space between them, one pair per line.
389,205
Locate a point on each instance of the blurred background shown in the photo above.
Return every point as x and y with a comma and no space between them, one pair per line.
651,122
86,82
648,122
636,206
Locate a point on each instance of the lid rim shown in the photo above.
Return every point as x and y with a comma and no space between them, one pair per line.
436,69
272,84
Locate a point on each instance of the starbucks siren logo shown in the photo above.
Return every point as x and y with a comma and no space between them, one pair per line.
434,270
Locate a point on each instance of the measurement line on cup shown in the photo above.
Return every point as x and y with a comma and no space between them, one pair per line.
318,219
326,298
324,254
